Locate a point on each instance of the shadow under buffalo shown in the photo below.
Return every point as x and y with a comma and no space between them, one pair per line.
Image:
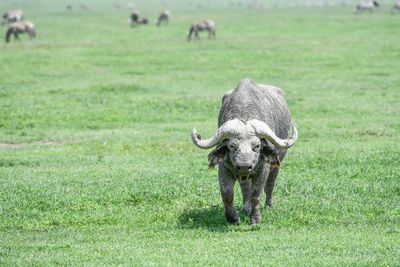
210,218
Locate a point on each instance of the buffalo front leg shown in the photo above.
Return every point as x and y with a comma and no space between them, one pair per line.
257,187
227,184
245,187
269,186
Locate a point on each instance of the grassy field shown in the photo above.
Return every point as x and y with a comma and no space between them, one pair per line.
96,162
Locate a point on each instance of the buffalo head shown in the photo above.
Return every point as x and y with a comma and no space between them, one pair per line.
240,144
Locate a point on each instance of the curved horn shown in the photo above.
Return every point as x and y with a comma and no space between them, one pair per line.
228,128
264,131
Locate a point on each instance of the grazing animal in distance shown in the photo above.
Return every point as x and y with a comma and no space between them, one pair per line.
164,17
366,6
136,20
20,27
12,16
199,26
396,7
69,7
255,131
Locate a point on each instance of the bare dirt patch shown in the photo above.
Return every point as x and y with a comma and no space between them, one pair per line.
6,145
47,143
39,143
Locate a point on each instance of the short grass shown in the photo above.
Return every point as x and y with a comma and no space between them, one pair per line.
96,162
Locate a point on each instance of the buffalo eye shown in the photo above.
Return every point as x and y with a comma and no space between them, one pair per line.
256,147
232,146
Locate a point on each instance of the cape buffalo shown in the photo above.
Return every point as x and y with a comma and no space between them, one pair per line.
255,131
199,26
19,27
164,17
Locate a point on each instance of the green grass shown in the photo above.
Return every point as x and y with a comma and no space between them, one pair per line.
102,170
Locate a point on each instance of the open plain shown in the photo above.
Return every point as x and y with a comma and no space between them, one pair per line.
97,166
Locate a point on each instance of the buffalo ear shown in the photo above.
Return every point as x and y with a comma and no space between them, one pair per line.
270,154
267,148
217,155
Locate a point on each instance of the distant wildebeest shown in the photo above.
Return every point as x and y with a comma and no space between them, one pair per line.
134,18
12,16
69,7
20,27
199,26
255,131
396,7
164,17
366,6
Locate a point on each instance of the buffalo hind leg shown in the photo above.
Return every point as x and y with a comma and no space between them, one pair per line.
227,184
245,187
269,186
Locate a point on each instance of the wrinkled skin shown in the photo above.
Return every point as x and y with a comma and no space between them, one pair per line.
244,153
244,157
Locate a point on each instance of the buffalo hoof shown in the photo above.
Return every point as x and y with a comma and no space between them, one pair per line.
255,218
247,209
232,216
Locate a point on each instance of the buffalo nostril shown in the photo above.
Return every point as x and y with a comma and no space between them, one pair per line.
244,168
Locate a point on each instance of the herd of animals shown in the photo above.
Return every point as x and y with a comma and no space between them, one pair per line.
255,125
16,23
164,17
